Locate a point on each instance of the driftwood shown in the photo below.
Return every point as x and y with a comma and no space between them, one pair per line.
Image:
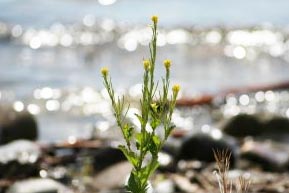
208,99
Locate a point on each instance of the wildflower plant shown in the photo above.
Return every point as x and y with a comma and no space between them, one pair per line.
142,146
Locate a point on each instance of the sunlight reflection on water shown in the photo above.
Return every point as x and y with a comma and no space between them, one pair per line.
50,62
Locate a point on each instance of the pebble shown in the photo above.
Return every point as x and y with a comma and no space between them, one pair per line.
38,185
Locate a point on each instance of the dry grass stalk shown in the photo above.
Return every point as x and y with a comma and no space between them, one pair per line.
222,158
243,185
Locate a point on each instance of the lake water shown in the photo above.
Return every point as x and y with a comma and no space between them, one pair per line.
172,12
61,45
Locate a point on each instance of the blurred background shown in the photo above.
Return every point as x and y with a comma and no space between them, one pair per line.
230,57
51,52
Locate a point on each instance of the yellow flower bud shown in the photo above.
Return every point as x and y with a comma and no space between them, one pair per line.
154,107
146,64
176,88
167,64
155,19
104,71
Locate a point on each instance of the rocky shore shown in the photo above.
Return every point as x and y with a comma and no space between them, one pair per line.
258,144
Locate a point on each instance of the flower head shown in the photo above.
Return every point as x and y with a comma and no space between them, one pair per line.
104,71
167,64
146,64
155,19
176,88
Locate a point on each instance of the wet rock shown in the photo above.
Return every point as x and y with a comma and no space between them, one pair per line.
166,162
183,184
277,129
14,169
38,185
243,125
112,177
15,126
165,186
277,124
106,157
270,156
21,150
200,147
19,159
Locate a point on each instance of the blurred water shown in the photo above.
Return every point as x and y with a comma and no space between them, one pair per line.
198,65
172,12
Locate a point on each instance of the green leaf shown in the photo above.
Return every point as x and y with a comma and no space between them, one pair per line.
130,155
143,172
127,132
139,138
155,123
154,145
141,141
133,184
157,140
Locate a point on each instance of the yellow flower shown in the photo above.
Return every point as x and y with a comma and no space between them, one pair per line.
146,64
104,71
155,19
167,64
176,88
